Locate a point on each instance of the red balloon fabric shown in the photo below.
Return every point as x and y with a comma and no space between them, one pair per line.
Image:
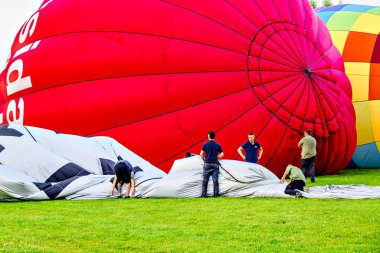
158,75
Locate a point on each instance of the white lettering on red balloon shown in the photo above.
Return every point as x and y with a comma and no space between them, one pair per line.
15,110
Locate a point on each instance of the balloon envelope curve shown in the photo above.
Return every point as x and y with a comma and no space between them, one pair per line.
158,75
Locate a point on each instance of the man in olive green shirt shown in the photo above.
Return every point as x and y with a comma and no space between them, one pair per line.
298,181
309,151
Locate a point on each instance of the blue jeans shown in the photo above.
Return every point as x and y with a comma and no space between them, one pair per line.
306,164
210,169
293,186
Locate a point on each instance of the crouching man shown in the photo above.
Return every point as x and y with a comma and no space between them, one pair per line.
123,175
298,181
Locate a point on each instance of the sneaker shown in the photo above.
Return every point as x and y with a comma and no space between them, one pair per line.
298,195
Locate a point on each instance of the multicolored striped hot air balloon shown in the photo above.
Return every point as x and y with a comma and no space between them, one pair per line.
355,30
158,75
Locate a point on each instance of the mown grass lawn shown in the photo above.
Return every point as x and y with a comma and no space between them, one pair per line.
197,225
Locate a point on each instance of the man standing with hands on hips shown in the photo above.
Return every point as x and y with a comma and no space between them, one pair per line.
253,150
210,153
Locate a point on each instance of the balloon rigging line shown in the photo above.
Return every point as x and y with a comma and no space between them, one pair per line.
206,17
173,111
331,93
306,88
288,31
274,81
322,57
291,49
278,52
129,33
30,133
219,129
286,124
327,85
245,16
296,61
203,139
274,61
295,58
321,114
89,81
276,30
149,179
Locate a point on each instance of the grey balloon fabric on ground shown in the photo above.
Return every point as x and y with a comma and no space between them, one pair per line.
236,179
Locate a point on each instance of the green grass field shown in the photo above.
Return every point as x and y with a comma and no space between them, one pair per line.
197,225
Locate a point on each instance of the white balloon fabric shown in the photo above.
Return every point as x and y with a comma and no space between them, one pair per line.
236,179
242,179
39,164
343,192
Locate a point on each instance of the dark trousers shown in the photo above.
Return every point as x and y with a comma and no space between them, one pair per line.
308,164
293,186
210,169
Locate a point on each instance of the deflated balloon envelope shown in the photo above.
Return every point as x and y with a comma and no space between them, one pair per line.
158,75
350,26
40,164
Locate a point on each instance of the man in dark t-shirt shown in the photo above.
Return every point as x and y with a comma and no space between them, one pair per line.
124,174
253,150
210,153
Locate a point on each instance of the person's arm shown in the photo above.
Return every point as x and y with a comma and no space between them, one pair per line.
202,154
283,179
240,151
261,151
220,155
113,185
133,183
300,143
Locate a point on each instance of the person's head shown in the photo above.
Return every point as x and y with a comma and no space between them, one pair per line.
251,137
307,133
211,135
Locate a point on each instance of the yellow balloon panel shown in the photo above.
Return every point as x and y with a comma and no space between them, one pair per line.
378,146
367,23
358,72
339,39
374,108
359,87
357,68
363,123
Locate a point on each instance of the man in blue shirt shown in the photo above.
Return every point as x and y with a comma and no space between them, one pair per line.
124,174
253,150
210,153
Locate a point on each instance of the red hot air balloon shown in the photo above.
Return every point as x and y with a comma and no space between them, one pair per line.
158,75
